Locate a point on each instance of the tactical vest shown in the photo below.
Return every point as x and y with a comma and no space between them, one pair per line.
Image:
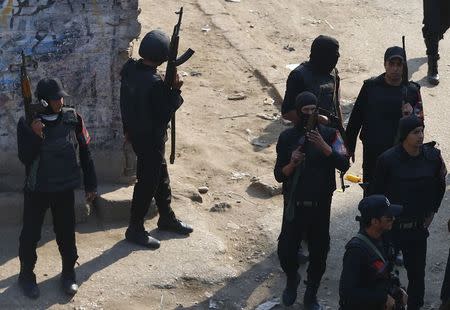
413,182
372,276
58,168
320,84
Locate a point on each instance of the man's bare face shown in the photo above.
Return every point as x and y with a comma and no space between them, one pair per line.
394,69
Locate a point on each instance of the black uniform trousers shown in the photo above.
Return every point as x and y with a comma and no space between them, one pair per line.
314,222
63,213
152,182
414,251
445,291
370,156
436,22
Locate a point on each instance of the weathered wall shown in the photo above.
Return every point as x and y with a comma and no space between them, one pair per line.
83,43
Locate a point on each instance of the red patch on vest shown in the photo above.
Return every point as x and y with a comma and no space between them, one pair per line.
378,265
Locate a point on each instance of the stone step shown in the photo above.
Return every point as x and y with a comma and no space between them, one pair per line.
112,204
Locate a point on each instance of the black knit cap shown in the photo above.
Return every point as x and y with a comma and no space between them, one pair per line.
406,125
305,98
155,46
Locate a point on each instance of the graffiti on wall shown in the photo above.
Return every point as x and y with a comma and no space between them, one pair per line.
77,41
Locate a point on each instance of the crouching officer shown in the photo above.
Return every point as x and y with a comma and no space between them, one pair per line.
147,105
306,163
365,279
48,148
412,174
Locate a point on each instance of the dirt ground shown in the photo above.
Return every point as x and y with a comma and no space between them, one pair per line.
230,260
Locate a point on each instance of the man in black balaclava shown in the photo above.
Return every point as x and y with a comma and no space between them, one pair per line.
412,173
436,21
305,164
318,76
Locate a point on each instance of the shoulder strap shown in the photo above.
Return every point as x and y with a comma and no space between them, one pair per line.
371,246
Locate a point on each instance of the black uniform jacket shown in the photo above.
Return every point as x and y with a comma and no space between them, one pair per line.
146,103
305,78
363,286
377,112
318,179
417,183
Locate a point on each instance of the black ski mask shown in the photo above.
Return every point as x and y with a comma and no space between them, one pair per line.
324,53
303,99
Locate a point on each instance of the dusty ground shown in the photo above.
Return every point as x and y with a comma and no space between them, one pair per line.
230,261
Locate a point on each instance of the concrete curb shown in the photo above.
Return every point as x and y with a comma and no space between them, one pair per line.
112,204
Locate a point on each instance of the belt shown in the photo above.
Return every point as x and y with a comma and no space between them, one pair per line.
307,204
408,225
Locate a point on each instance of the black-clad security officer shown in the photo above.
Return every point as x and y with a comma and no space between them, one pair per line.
306,163
48,150
381,102
412,174
318,76
365,282
147,105
436,21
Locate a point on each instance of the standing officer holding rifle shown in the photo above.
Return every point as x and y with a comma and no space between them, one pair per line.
147,105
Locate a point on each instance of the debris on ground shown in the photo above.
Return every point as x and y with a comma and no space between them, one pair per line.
268,305
220,207
237,96
264,187
203,189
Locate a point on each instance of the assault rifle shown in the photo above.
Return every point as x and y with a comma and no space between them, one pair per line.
338,120
290,209
172,63
31,110
394,286
405,72
335,120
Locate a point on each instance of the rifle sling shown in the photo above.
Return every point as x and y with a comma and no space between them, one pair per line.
371,246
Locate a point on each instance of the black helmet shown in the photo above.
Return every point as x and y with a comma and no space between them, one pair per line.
50,89
155,46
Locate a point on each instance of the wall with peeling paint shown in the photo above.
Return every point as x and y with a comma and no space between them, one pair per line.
82,42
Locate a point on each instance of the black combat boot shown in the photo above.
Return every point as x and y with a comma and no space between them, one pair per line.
69,282
27,282
433,75
310,299
137,234
290,292
171,223
68,279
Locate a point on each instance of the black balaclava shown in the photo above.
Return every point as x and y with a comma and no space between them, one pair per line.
303,99
406,125
324,53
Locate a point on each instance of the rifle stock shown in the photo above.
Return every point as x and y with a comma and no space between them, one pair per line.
31,110
172,63
26,90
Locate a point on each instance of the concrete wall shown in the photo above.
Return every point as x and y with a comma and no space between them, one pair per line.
82,42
